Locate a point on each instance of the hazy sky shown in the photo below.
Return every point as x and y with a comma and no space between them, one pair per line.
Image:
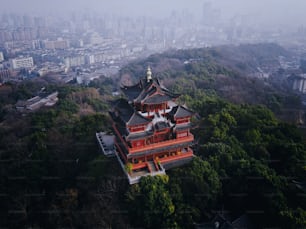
271,11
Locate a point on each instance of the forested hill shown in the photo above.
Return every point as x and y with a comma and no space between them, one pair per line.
248,58
232,72
248,164
244,59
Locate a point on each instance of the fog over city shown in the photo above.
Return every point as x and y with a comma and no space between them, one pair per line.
105,35
264,11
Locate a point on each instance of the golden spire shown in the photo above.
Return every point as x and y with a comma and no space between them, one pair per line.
149,74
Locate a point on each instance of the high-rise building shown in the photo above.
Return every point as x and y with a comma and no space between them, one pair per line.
74,61
299,83
1,57
5,75
152,132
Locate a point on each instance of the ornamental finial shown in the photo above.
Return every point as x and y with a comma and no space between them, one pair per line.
149,74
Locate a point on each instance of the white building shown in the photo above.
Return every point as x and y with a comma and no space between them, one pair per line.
299,83
74,61
22,62
1,57
90,59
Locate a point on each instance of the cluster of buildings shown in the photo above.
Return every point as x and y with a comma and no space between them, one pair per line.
109,41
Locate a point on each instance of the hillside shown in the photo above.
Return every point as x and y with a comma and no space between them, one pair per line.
246,58
229,71
249,163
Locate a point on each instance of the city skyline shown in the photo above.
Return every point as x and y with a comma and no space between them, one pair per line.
269,12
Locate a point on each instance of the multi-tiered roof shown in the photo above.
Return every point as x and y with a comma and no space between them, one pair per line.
151,129
148,91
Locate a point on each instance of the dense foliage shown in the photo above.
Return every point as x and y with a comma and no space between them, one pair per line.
51,172
259,157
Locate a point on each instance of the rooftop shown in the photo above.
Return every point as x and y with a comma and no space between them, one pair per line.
180,112
127,114
106,143
148,91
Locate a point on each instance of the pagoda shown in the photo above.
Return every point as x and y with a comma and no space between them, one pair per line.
152,132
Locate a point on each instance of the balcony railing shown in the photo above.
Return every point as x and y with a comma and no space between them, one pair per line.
188,154
152,146
135,179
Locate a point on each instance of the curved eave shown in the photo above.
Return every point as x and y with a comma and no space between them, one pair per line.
137,120
157,99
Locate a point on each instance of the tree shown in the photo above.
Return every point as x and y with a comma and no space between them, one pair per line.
150,203
295,218
199,183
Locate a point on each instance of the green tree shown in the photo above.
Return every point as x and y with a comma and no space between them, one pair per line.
200,184
150,204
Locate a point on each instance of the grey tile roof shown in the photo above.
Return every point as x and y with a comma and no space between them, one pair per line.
180,112
151,92
137,119
127,114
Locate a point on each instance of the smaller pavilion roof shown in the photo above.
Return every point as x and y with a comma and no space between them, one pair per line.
148,91
128,115
180,112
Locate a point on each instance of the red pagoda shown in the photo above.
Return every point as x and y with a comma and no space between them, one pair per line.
152,132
